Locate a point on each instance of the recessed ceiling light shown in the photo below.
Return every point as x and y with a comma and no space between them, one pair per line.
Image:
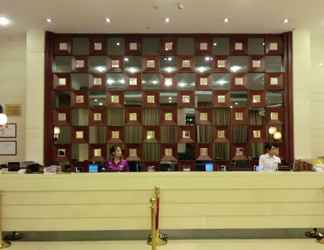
321,64
118,43
167,19
49,20
108,20
286,20
226,20
180,6
215,44
4,21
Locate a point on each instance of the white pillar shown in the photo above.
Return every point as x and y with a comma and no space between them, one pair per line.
34,102
302,93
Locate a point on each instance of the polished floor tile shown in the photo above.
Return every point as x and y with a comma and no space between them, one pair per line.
289,244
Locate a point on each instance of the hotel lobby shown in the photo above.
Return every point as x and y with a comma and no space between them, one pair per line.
161,124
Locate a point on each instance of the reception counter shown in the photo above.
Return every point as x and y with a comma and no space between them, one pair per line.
193,200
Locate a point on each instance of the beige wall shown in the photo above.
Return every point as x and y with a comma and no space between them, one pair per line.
317,93
22,83
308,93
12,84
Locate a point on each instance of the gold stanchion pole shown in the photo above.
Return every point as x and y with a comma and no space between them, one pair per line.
3,244
156,239
153,232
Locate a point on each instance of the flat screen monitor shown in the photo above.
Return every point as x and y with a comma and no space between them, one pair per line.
93,168
209,167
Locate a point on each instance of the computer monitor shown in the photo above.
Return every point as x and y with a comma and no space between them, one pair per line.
209,167
13,166
134,166
168,166
93,168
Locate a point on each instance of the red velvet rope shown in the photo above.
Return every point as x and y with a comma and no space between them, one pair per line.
157,219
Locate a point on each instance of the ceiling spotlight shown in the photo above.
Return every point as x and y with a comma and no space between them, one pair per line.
167,20
226,20
4,21
180,6
286,20
118,44
49,20
321,64
108,20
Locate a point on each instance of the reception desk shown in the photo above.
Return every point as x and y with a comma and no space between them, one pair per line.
193,200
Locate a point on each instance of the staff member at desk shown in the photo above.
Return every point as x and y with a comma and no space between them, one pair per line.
270,160
117,163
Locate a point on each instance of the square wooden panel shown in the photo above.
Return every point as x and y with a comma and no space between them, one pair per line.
151,99
97,116
98,46
97,81
63,46
274,115
151,64
134,152
168,82
115,135
239,82
62,81
203,46
115,99
186,64
97,152
203,82
204,116
117,64
134,81
221,98
80,134
133,46
168,116
187,134
221,64
257,134
239,152
62,152
275,81
221,135
168,46
80,99
274,45
186,98
61,116
151,134
238,45
204,152
257,98
239,116
257,64
133,115
168,152
80,64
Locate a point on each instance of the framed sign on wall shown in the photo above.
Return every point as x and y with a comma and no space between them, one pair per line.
8,131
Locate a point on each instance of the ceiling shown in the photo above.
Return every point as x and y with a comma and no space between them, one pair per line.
147,16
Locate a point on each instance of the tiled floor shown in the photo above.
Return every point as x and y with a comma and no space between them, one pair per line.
290,244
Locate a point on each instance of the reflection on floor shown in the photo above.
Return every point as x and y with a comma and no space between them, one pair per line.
289,244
